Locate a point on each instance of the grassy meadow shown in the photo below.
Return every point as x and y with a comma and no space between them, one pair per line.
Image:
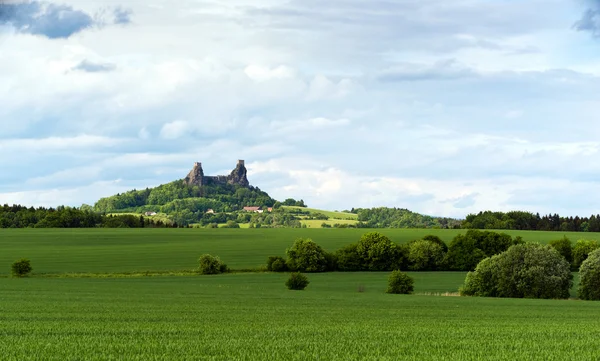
252,316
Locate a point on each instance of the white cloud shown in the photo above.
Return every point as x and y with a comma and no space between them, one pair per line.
481,108
59,143
260,73
174,130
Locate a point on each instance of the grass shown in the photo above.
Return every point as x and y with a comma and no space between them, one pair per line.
254,317
92,300
330,214
138,250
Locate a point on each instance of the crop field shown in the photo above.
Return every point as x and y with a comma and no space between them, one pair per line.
253,317
128,250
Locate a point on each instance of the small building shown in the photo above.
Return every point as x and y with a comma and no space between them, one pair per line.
270,209
150,213
253,209
211,211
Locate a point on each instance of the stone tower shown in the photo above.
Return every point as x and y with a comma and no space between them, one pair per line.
239,175
196,175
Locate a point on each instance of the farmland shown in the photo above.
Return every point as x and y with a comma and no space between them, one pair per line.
127,250
251,316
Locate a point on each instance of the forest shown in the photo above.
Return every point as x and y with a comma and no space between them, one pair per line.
527,221
17,216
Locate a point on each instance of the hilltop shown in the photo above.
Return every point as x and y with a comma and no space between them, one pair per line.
190,199
230,201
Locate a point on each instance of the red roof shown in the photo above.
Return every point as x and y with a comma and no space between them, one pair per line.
252,209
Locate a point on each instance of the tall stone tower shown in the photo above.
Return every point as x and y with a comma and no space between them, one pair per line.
239,175
196,175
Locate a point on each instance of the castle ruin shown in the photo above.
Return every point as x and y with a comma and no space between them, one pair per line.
238,176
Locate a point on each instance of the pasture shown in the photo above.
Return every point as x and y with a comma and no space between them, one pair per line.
129,250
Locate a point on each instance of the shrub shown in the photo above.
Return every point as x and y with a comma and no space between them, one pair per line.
589,277
582,248
306,256
348,259
400,283
211,265
231,224
564,247
297,281
425,256
276,264
331,260
467,250
21,268
523,271
377,252
436,239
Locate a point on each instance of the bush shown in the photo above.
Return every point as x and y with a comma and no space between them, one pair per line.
306,256
589,277
400,283
467,250
436,239
582,248
21,268
377,252
297,281
211,265
425,256
523,271
276,264
348,259
564,247
231,224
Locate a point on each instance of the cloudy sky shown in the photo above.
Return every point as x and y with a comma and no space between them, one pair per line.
444,107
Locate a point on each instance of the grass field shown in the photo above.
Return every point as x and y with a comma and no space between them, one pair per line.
126,250
253,317
330,214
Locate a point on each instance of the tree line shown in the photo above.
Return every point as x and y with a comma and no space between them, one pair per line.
376,252
17,216
527,221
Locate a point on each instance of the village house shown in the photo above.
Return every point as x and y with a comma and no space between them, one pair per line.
211,211
253,209
150,213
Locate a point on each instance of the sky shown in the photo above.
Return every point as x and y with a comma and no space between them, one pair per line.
444,107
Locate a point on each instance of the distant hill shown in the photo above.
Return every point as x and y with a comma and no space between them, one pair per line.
188,199
219,201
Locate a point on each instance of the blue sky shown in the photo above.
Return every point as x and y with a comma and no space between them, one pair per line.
444,107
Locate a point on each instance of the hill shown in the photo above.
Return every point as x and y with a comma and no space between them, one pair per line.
191,199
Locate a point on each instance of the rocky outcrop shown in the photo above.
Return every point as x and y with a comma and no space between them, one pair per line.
196,176
238,176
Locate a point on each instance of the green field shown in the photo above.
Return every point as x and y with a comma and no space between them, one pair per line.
127,250
252,316
330,214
